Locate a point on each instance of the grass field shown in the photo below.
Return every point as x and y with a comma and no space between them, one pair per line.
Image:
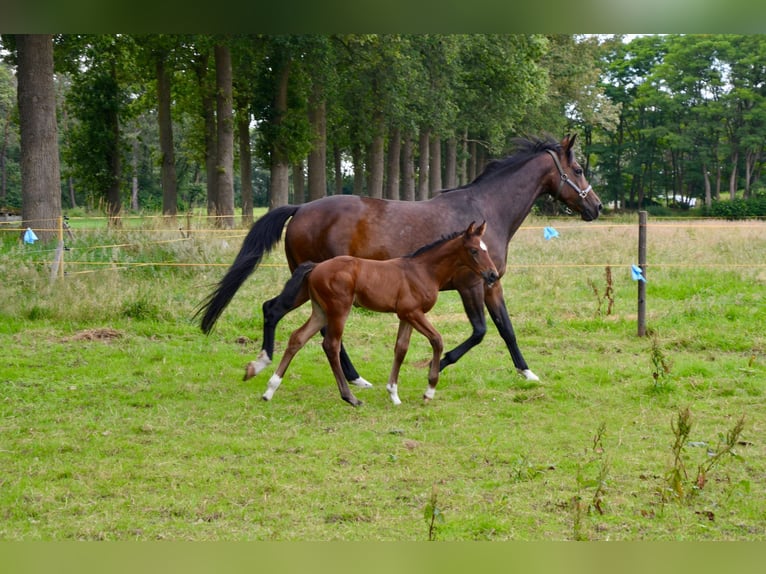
120,420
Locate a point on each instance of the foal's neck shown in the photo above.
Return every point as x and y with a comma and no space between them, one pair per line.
441,262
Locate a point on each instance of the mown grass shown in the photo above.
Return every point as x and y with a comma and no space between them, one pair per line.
121,421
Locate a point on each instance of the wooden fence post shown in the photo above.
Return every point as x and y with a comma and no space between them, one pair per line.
642,264
57,270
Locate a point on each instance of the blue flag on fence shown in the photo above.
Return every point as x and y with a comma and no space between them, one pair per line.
550,233
637,273
29,236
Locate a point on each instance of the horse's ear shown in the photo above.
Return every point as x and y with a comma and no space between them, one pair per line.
568,142
481,229
470,230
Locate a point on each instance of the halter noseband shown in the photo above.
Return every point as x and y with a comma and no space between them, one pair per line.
565,178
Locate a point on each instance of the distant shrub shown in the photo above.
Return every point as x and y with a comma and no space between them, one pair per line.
738,208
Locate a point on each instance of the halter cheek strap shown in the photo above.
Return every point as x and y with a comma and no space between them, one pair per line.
565,178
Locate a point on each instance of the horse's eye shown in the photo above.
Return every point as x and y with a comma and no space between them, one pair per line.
578,171
474,252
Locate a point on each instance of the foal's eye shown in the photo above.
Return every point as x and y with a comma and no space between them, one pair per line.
474,252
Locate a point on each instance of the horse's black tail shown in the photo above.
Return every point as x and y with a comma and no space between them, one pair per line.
262,237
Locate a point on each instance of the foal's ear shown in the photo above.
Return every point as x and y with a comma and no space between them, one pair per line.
481,229
470,230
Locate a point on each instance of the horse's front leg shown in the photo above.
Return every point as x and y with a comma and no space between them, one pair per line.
400,351
493,298
473,303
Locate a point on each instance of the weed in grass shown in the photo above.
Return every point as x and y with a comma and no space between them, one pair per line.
607,296
432,514
678,485
661,366
591,485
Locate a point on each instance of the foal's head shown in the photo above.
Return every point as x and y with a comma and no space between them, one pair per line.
475,254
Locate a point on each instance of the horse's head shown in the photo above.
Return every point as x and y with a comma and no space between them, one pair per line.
568,184
478,259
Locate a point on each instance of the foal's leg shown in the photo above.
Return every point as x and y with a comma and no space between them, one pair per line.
273,311
424,326
495,302
400,351
297,340
331,346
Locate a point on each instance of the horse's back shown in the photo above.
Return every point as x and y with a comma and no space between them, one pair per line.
363,227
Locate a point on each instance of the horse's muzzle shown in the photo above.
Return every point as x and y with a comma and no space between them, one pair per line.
490,278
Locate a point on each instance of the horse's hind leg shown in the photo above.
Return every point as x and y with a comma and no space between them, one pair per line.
273,311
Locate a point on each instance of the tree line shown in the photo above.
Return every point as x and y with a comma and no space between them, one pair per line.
168,122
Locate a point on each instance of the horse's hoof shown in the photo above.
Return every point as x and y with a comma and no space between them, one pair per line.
362,383
528,375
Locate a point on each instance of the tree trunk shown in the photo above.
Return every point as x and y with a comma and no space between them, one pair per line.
317,161
207,97
245,166
299,184
708,187
733,176
472,161
134,183
408,170
377,161
423,163
463,171
356,160
40,171
435,169
394,162
3,150
280,167
450,167
225,132
338,161
114,159
167,152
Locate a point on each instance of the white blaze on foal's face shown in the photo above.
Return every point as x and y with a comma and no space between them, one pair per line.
483,245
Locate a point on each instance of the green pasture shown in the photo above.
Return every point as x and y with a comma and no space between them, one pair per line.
120,420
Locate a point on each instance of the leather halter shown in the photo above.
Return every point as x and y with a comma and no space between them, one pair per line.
565,178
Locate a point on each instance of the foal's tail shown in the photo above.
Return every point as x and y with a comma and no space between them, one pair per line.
262,237
294,285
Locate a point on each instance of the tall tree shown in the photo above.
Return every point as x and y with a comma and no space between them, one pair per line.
40,172
225,136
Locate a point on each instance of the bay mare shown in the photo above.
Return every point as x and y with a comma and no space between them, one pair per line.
502,195
408,286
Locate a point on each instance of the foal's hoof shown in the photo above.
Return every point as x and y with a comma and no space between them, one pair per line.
353,401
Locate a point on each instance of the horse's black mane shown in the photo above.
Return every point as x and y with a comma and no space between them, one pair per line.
442,239
524,149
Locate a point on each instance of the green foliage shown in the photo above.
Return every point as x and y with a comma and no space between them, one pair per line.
738,208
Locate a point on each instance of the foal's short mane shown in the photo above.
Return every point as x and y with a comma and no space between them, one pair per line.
524,150
440,241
